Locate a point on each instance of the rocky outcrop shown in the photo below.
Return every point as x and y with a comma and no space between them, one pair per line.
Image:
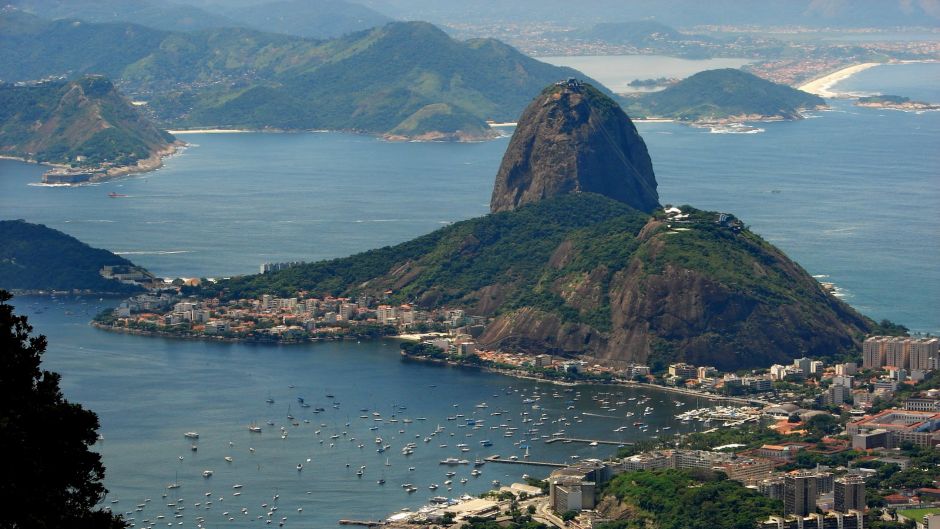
570,139
574,261
662,305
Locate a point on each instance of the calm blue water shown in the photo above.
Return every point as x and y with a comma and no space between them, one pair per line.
852,194
148,392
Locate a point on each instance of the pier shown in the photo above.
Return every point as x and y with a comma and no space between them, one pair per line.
365,523
493,459
586,441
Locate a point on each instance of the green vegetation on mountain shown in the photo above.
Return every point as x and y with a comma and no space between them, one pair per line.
581,273
307,18
676,499
303,18
720,94
34,257
375,81
152,13
83,122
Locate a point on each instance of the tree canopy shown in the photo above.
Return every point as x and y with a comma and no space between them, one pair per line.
49,474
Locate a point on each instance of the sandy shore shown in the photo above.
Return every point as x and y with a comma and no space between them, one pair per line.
209,131
823,85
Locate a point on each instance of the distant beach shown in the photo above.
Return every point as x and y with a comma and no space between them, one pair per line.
209,131
823,85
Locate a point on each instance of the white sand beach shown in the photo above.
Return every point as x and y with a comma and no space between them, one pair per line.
208,131
823,85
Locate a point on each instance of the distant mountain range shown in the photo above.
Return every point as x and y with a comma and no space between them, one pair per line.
683,13
404,78
564,264
722,94
82,123
35,257
305,18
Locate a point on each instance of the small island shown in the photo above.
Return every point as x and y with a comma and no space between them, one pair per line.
722,97
659,82
895,103
85,129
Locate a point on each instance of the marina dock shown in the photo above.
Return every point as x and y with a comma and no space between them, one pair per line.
492,459
586,441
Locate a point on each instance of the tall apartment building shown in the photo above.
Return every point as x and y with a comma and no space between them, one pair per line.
901,352
849,494
898,352
873,352
925,354
799,494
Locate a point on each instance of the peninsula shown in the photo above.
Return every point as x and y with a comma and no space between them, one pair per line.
722,96
578,259
35,259
84,128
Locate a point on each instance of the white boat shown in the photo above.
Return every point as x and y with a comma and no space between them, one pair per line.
254,428
207,473
228,459
191,435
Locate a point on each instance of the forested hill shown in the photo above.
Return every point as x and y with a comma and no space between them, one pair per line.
724,93
85,122
304,18
34,257
409,78
582,274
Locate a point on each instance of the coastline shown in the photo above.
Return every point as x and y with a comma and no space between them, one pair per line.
822,86
441,362
210,131
146,165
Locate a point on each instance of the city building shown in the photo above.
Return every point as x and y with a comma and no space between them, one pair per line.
848,368
849,494
873,352
836,395
921,428
799,494
773,488
747,470
925,354
898,352
922,405
682,370
833,520
805,365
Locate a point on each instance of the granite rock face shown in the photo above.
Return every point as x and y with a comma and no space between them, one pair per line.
572,139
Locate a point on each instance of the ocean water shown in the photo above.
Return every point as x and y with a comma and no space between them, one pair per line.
852,194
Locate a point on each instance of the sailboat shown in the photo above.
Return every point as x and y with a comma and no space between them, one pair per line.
176,482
